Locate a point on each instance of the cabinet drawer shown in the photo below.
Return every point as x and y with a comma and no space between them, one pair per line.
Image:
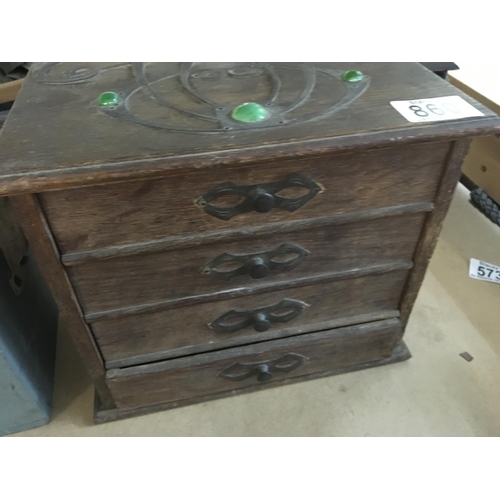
262,364
165,334
182,205
249,262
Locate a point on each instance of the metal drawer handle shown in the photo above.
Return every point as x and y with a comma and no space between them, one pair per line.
256,265
258,197
263,370
261,319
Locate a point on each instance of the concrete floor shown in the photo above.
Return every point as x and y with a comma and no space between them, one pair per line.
436,393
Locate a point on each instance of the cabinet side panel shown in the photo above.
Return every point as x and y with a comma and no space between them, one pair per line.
433,224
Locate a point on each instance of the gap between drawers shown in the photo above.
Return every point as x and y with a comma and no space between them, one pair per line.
243,291
157,357
77,258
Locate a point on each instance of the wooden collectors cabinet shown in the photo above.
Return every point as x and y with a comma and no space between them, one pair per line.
195,255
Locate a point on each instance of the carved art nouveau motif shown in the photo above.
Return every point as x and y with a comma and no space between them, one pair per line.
197,97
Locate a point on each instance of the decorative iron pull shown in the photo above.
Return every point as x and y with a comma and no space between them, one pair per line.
256,265
258,197
261,319
263,373
262,201
263,370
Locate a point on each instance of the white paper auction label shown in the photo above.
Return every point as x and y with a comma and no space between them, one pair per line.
436,109
484,271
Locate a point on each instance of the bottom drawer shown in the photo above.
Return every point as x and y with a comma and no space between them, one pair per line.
254,365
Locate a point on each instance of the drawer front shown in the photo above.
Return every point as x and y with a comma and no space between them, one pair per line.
215,325
249,262
186,205
252,366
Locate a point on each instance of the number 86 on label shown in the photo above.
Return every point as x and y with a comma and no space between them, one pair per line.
422,110
435,109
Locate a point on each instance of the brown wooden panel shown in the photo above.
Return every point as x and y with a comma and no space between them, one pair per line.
102,415
193,376
433,224
121,207
181,331
198,240
79,143
127,213
143,279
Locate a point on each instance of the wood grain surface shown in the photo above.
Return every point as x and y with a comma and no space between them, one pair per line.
178,332
200,375
117,230
76,143
102,415
162,277
433,224
125,213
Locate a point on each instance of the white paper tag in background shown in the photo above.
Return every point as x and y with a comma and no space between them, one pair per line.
436,109
483,271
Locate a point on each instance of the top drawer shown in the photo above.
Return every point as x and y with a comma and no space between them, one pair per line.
183,204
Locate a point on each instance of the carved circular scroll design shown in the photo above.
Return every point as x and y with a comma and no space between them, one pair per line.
217,114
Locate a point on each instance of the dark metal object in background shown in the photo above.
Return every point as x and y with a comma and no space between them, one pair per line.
28,329
468,183
440,68
258,197
480,199
466,356
10,71
264,371
257,265
261,318
13,244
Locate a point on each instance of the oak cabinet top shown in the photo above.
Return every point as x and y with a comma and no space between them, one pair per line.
83,123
